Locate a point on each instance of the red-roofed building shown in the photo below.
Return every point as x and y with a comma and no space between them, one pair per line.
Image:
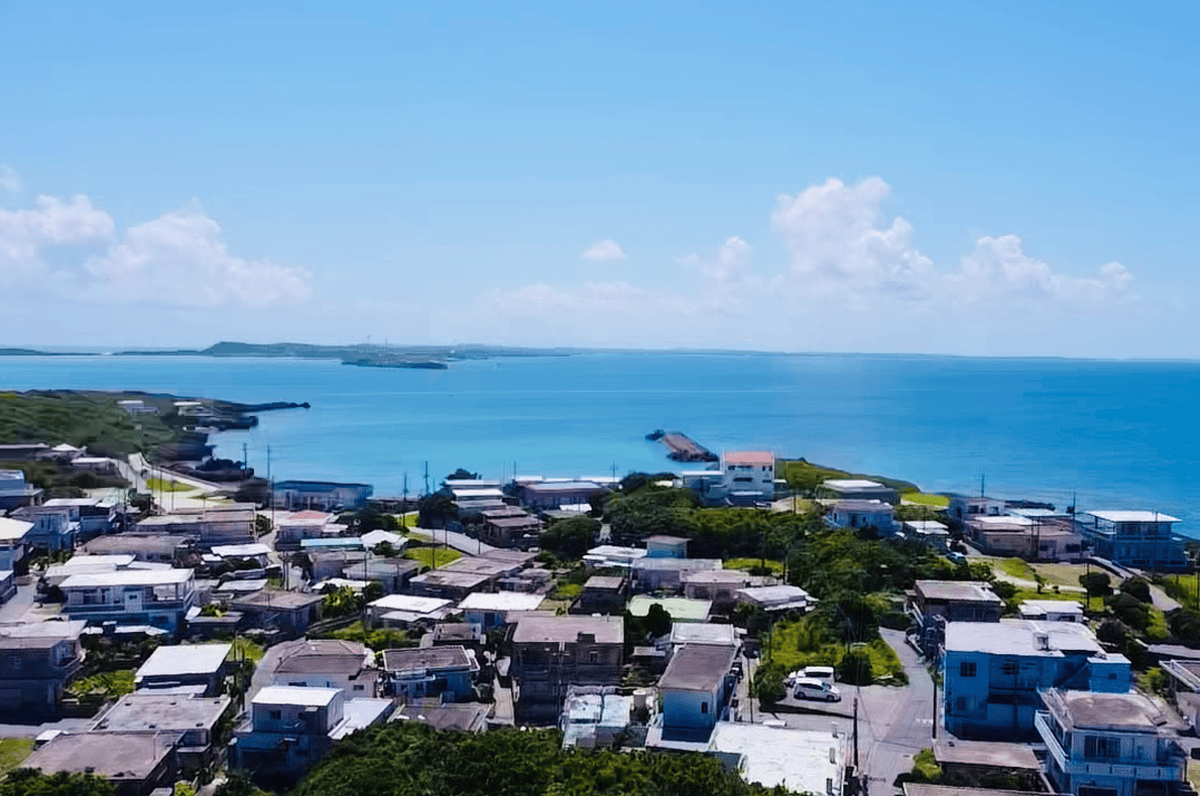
748,476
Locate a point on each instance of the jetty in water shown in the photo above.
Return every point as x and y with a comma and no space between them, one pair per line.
681,447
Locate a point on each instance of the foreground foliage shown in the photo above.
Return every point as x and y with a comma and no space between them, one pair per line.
403,759
31,782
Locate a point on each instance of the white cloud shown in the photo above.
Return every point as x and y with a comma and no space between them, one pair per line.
10,181
177,259
52,222
732,263
603,251
999,269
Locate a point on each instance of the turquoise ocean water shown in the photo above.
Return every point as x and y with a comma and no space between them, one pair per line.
1119,434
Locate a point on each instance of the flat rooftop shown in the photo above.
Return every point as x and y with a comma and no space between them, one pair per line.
550,629
957,591
1020,637
410,603
419,659
986,753
283,600
864,506
185,659
240,550
452,579
703,633
295,695
680,608
850,484
144,711
501,601
1088,710
304,656
749,458
1133,516
677,563
127,577
604,583
115,756
698,667
13,530
801,761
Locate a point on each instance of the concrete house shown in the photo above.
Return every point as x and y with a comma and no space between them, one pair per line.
717,585
444,672
695,690
325,663
966,507
776,599
37,662
53,529
702,633
320,495
549,495
551,653
393,574
666,574
748,477
994,671
288,612
214,525
601,594
496,610
516,530
451,585
1051,611
13,538
158,597
14,491
95,516
931,532
294,527
195,719
663,546
156,548
289,729
408,610
1111,745
933,603
200,666
1142,539
134,763
857,489
862,514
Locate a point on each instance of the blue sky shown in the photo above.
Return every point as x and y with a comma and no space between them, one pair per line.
1017,178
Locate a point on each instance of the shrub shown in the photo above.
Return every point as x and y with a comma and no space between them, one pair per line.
768,683
1097,584
1138,588
856,668
1114,631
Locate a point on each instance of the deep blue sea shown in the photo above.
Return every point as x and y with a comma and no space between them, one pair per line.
1118,434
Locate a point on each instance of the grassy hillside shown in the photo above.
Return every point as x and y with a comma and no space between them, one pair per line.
806,476
82,418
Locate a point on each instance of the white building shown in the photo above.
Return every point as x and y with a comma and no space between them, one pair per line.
1133,538
491,610
1111,745
857,489
1051,610
862,514
748,476
158,597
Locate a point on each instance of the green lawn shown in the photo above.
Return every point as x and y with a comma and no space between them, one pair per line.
433,557
1013,568
13,752
566,591
746,564
409,520
108,684
245,648
920,498
160,485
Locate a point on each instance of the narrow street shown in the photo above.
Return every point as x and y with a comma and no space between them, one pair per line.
895,723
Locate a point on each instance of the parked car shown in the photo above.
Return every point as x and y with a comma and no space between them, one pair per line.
808,688
957,558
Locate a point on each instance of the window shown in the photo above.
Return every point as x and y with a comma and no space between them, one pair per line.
960,704
966,669
1100,747
276,715
593,656
704,707
359,688
1010,667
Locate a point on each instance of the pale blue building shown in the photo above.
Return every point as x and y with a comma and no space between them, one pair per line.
994,671
695,690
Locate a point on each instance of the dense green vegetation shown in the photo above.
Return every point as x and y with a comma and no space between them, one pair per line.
30,782
806,476
407,759
90,419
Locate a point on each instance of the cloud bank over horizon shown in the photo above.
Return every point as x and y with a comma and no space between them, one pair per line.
834,272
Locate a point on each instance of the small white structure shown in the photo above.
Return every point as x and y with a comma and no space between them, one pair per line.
1051,610
776,598
491,610
408,609
748,476
857,489
800,761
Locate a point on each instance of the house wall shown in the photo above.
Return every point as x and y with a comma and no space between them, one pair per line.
691,709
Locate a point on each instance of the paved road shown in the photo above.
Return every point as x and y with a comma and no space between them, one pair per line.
895,723
459,541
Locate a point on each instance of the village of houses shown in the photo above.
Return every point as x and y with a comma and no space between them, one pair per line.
1032,702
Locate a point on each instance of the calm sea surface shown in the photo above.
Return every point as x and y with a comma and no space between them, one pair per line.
1119,434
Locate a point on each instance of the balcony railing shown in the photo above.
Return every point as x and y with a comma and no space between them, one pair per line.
1159,769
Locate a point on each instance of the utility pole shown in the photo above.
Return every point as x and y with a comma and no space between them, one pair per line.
245,461
856,734
982,482
426,492
936,666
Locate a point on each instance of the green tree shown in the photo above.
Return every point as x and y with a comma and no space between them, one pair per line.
1138,588
1185,624
31,782
856,668
570,537
1096,584
768,682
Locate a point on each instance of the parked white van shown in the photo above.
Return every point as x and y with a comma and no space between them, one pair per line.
823,673
808,688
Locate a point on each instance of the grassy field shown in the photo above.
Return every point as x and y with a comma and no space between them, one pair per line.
792,645
13,752
920,498
160,485
408,520
807,476
746,564
110,684
1065,576
80,418
1013,568
566,592
245,648
433,557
